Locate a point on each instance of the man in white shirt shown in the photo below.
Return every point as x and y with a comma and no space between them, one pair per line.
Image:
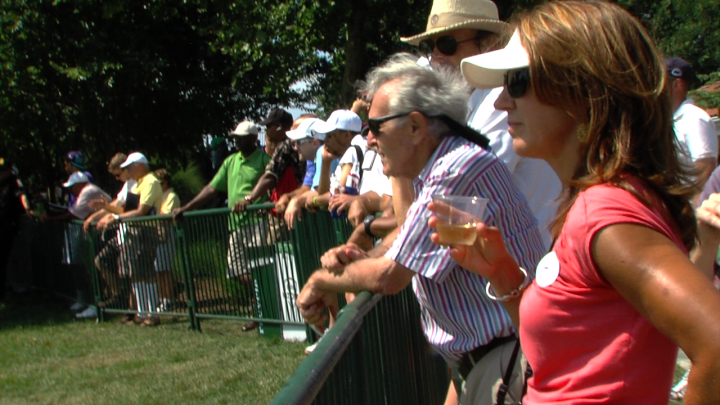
464,28
693,127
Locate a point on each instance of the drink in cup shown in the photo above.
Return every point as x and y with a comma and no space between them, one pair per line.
457,216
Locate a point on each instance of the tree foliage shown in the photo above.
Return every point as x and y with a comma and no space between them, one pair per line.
158,75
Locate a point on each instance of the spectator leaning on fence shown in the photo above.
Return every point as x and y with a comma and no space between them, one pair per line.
166,249
586,90
111,257
84,192
282,203
415,125
141,239
286,171
237,176
306,142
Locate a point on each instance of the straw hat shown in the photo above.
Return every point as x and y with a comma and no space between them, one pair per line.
448,15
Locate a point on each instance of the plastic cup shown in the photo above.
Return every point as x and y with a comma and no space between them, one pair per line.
457,216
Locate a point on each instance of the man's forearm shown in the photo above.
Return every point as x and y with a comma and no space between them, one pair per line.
266,183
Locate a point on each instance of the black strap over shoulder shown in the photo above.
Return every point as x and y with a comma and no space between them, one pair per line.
464,131
360,158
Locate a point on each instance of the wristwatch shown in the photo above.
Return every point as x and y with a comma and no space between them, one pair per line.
367,222
248,198
117,217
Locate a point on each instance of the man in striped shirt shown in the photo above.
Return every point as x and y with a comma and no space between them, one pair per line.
414,120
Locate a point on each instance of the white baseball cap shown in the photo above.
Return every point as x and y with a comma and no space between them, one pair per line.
487,70
245,128
306,129
345,120
134,158
76,178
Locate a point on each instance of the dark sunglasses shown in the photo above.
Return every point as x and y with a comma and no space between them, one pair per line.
374,123
517,81
447,45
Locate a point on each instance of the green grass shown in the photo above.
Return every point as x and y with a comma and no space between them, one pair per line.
48,357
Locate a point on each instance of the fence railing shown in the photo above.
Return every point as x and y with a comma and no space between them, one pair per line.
375,353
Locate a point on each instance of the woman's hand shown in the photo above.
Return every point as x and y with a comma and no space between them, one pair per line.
485,257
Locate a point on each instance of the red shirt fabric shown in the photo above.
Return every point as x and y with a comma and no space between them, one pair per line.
584,341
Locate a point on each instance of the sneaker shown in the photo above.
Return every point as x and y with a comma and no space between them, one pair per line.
89,312
77,307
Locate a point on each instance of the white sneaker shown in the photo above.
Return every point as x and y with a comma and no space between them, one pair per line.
77,307
89,312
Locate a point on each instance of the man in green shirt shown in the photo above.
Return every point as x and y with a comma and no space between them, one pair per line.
237,176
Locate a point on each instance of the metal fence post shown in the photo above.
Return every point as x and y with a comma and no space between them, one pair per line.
187,276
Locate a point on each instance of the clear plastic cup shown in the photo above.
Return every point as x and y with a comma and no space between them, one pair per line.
457,216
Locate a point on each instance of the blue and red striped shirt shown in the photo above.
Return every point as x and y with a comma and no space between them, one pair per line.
457,316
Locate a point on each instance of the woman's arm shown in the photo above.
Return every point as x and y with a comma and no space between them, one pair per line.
659,280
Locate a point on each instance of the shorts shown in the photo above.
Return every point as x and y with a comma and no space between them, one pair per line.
239,262
139,251
165,253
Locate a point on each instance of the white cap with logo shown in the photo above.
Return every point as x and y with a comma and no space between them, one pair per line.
345,120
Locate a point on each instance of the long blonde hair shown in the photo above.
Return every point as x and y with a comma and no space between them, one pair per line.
595,60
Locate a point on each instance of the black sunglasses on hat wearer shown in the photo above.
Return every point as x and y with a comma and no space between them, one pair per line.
447,45
517,81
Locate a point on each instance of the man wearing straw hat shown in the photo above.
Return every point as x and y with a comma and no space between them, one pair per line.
457,29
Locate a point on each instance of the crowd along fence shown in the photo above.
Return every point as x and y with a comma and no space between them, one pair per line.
213,264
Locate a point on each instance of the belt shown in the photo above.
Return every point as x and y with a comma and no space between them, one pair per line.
469,359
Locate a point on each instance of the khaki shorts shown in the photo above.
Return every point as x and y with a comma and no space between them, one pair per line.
238,261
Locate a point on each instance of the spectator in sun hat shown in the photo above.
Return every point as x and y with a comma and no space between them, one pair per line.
237,176
457,29
286,171
694,129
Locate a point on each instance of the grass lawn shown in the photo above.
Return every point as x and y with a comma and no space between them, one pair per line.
48,357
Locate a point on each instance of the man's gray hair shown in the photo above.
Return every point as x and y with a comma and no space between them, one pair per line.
431,91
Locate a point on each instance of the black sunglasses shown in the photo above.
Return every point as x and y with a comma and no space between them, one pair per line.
447,45
517,81
374,123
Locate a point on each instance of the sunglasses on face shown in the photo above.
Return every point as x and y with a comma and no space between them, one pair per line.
447,45
517,81
301,142
374,123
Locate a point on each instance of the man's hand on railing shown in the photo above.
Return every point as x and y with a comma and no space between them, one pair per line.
312,302
87,224
105,222
335,259
292,213
177,214
240,206
357,212
341,202
282,203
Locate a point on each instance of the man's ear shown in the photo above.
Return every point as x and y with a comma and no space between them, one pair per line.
418,126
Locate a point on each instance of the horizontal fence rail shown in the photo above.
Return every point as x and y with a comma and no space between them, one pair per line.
214,264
